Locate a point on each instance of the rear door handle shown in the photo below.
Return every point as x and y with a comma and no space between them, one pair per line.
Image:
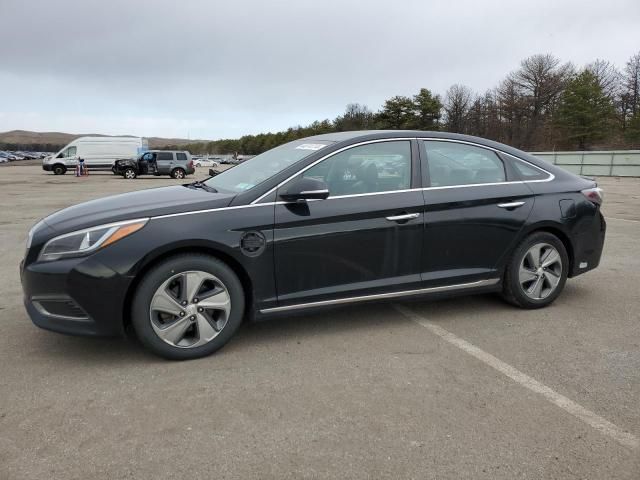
511,205
403,217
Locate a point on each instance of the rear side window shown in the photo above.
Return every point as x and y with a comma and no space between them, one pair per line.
528,171
165,156
181,156
451,164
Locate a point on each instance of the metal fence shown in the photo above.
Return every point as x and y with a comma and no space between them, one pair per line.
611,163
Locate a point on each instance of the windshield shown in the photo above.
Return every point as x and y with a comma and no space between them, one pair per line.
248,174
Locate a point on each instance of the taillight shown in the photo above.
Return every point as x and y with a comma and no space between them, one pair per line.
595,195
190,163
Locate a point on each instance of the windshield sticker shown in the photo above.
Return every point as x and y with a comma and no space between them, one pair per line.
310,146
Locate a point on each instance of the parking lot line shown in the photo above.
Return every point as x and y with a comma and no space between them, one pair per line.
590,418
621,219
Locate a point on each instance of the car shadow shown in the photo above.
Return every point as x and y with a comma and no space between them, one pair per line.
303,326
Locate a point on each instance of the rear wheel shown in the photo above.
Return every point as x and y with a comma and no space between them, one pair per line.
129,173
188,307
178,173
59,169
537,271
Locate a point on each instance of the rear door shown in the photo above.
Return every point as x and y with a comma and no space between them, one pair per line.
366,238
475,208
165,162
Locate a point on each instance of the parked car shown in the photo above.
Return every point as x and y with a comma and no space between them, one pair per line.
313,223
177,164
205,162
99,153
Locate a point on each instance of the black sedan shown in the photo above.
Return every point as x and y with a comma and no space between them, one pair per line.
332,219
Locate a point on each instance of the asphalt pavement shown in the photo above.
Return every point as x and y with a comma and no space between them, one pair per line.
461,388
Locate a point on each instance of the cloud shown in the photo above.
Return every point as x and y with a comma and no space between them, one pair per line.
224,68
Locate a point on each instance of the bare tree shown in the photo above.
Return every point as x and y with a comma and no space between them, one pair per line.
607,76
631,83
457,102
356,117
511,107
539,81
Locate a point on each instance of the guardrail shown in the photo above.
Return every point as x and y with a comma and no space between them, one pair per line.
608,163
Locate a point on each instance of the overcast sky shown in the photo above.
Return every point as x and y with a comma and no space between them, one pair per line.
216,69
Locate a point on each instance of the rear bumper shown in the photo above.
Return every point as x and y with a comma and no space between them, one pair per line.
588,245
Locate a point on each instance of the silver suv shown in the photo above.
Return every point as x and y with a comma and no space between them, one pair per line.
177,164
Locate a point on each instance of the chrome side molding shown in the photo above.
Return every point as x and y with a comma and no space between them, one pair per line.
380,296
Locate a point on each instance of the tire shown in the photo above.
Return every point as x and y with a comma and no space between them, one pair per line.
59,169
528,283
129,173
219,285
178,173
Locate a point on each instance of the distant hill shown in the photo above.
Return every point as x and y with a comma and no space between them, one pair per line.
25,138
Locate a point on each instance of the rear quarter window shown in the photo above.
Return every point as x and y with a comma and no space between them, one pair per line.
181,156
526,171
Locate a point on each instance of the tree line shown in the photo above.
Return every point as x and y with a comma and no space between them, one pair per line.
543,105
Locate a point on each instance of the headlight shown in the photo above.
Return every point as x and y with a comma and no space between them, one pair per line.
31,232
89,240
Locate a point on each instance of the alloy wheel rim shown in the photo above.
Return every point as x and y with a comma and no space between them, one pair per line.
540,271
129,174
190,309
179,174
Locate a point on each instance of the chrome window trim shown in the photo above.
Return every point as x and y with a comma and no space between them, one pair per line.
255,203
550,177
378,296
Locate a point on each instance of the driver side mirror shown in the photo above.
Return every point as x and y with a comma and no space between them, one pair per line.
212,172
306,189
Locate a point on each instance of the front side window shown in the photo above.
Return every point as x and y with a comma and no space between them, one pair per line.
451,164
376,167
68,153
256,170
165,156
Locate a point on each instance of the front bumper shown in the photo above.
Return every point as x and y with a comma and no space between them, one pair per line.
77,296
46,167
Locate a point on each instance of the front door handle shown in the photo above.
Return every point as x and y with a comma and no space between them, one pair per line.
511,205
403,218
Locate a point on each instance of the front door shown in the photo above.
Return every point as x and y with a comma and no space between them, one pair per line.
366,238
474,210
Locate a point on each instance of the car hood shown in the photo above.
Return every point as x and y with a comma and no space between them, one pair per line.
139,204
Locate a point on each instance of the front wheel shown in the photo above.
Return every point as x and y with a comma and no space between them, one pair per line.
59,169
129,174
188,307
537,271
178,173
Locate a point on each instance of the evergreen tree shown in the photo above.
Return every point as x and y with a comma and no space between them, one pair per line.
585,112
428,110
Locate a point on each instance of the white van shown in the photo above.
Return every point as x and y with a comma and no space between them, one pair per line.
99,153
